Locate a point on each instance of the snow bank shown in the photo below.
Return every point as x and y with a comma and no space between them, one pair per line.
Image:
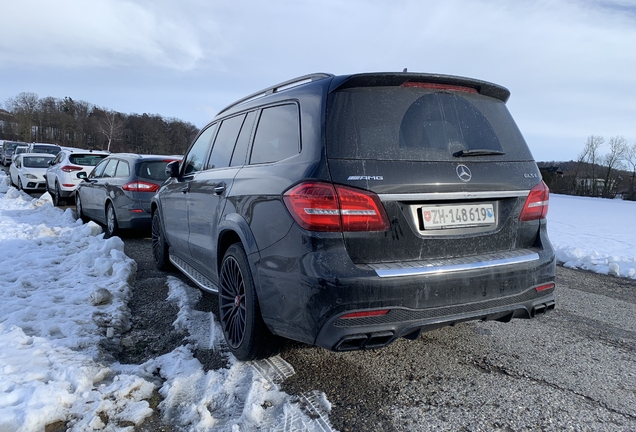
594,234
51,326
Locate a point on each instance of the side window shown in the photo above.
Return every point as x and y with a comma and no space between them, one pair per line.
240,150
195,158
277,134
123,170
225,141
58,158
99,169
110,169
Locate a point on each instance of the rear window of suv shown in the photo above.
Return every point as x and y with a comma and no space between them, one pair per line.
402,123
85,159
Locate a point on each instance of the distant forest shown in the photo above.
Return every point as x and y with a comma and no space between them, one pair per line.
80,124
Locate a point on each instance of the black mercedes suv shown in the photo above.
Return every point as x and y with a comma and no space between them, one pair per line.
349,211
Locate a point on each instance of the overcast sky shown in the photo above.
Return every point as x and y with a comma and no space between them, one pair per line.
570,64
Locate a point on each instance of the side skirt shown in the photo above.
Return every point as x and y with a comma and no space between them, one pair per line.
195,276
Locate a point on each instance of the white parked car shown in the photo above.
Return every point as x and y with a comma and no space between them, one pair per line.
61,175
28,169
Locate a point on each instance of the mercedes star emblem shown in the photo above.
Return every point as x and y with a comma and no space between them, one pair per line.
463,173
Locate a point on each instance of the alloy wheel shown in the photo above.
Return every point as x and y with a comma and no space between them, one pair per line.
232,301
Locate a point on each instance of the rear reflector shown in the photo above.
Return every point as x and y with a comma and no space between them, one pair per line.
545,287
366,314
536,206
319,206
436,86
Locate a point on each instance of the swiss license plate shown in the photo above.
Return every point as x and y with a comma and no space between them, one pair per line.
457,216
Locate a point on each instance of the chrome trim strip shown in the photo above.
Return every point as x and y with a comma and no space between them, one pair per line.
432,196
412,269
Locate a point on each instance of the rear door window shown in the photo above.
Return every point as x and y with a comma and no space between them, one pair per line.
240,150
225,141
123,169
277,134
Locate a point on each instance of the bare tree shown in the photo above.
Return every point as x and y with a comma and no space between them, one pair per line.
592,146
612,160
111,126
23,107
630,158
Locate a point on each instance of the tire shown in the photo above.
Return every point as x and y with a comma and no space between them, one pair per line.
112,229
159,246
57,196
239,313
19,183
78,209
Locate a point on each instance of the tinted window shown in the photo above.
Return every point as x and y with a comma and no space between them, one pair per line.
99,169
225,141
46,149
240,150
276,134
196,156
110,169
86,159
153,170
123,169
397,123
58,158
36,161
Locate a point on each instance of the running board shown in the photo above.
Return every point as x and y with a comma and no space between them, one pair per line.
417,268
195,276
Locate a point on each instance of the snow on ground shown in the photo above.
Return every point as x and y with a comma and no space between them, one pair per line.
594,234
65,290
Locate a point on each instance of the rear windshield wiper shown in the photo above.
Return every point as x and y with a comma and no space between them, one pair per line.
478,152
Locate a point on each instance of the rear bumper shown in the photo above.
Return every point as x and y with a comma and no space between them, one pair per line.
305,298
346,334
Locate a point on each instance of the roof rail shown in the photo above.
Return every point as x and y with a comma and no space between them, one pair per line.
279,87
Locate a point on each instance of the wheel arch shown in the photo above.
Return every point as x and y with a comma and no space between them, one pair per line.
232,229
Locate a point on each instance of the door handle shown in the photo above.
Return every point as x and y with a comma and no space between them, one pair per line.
219,189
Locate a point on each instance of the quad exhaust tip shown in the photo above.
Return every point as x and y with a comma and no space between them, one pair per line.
541,309
364,341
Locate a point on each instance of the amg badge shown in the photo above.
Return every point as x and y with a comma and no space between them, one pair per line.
365,178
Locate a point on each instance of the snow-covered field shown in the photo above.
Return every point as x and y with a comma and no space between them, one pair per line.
64,291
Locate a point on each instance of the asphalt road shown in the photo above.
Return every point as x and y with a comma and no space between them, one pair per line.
572,369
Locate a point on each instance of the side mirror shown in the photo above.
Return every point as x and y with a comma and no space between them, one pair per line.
172,169
50,162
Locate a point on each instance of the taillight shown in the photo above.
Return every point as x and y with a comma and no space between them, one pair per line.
536,206
71,168
318,206
437,86
140,186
